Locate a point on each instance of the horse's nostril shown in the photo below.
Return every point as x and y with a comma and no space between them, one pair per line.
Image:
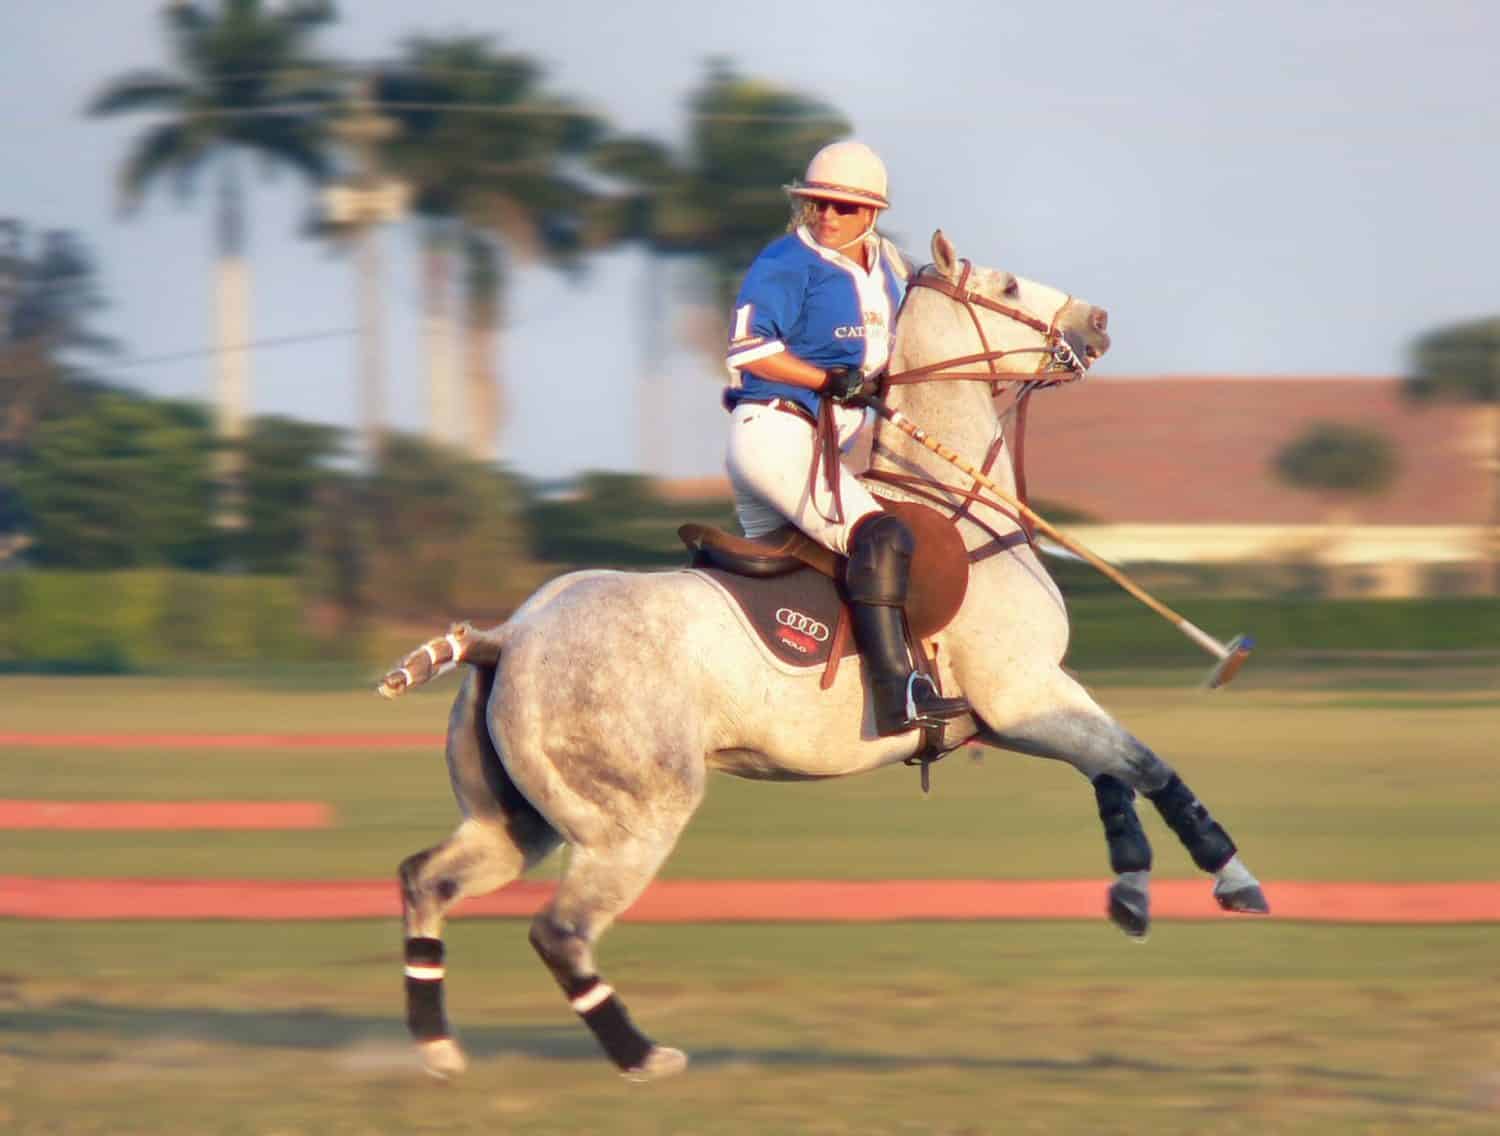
1100,319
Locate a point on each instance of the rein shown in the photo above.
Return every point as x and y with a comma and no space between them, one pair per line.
1058,356
1059,361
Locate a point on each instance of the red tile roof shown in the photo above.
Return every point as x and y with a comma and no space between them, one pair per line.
1162,450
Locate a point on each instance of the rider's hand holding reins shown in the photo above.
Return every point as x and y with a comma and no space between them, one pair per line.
844,384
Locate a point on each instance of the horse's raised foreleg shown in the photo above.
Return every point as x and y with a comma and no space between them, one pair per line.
1129,856
501,837
598,886
1118,765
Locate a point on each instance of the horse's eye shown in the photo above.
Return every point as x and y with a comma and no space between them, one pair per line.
1011,284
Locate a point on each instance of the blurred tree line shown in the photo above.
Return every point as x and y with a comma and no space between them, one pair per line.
501,171
100,478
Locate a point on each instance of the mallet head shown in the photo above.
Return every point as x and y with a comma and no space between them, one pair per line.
1235,654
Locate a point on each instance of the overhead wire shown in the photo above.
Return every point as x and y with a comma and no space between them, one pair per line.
105,365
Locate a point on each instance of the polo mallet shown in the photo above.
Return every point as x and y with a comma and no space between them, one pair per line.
1230,656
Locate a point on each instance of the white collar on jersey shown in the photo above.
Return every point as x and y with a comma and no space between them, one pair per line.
833,256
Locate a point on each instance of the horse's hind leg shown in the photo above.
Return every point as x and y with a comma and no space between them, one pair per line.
601,883
1118,765
500,837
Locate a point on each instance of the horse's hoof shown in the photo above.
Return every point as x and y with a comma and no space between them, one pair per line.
662,1061
1130,911
442,1058
1247,900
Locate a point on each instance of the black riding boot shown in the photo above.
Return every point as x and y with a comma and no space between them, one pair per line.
876,578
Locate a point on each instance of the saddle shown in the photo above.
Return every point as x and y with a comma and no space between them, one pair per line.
790,588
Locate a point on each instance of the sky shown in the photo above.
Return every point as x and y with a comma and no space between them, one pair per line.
1269,188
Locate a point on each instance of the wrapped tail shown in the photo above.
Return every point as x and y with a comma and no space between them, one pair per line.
462,644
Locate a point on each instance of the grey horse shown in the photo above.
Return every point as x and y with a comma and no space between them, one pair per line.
593,716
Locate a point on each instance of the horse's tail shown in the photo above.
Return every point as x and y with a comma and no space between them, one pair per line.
438,656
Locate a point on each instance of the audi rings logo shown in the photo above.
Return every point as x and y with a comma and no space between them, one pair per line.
806,624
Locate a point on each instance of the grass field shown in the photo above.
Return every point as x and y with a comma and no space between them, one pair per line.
1254,1027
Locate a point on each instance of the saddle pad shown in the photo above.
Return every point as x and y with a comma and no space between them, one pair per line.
795,615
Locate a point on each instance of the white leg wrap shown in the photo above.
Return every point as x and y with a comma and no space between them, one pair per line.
586,1002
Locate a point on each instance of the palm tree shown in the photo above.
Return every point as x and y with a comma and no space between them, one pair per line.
718,203
244,80
1461,363
658,213
487,152
749,138
48,296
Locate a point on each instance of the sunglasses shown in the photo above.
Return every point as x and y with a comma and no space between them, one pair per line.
842,208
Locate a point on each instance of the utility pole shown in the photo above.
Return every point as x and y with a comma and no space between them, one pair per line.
359,203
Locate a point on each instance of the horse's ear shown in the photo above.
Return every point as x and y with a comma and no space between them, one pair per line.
944,255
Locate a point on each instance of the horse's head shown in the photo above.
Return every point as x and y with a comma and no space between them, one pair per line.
963,329
997,322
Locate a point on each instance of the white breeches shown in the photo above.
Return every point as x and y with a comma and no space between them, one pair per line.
770,452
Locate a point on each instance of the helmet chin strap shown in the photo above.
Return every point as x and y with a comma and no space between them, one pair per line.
870,228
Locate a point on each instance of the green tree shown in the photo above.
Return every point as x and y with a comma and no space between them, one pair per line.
245,82
286,464
1341,462
430,535
123,483
1339,459
488,152
1461,363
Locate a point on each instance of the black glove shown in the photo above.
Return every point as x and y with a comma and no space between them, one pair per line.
844,383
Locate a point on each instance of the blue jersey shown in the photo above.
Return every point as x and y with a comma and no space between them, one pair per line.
818,304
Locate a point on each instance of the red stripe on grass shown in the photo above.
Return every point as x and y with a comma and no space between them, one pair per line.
164,815
218,741
729,901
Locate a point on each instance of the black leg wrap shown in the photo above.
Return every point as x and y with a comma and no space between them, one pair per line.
1129,850
1204,838
607,1020
424,989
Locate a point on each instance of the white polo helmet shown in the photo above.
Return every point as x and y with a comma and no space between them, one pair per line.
845,171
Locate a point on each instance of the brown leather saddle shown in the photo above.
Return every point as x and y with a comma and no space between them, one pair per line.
790,588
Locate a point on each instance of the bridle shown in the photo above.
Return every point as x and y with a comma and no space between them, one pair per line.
1058,356
1059,363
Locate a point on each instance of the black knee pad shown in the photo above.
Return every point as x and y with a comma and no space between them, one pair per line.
1129,850
879,566
1204,838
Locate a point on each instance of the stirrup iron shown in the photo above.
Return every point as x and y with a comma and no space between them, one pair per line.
938,709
